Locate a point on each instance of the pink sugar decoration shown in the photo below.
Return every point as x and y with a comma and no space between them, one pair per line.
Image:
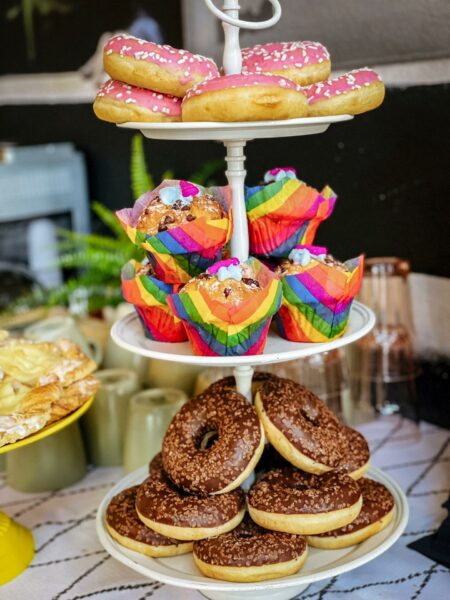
278,169
188,189
212,270
315,250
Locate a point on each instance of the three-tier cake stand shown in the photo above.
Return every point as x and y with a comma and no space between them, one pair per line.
321,564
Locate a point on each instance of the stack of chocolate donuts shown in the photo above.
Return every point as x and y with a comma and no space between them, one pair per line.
309,487
152,82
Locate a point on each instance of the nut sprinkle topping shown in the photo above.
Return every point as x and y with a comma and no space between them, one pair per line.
205,470
290,491
121,516
377,503
249,546
158,499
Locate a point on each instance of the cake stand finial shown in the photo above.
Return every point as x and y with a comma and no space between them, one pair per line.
232,59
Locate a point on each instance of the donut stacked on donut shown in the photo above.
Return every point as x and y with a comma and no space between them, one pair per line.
192,499
302,62
305,431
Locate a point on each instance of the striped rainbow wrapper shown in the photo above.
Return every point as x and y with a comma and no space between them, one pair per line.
215,328
183,252
285,213
316,302
149,298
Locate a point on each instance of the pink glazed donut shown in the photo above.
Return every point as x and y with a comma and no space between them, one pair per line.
302,62
152,66
244,98
118,102
351,94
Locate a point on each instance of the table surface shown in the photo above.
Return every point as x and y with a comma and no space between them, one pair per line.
70,564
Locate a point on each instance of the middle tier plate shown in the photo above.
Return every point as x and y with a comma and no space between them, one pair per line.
128,333
249,130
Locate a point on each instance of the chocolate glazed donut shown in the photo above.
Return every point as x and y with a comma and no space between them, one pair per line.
213,443
250,553
124,526
172,512
295,502
376,514
305,431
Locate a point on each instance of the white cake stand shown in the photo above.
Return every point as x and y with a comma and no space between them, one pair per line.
181,571
127,333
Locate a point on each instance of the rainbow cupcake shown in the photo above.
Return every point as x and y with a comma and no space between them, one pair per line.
149,297
318,292
182,226
285,212
228,309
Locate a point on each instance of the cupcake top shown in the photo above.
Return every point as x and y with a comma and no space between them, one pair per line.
145,268
177,205
302,257
227,281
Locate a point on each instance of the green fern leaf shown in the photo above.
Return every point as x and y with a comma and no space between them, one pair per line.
141,179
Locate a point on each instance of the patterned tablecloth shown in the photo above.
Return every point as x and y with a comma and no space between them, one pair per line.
70,564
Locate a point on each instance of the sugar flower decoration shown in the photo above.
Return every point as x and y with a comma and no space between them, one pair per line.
184,192
226,269
280,173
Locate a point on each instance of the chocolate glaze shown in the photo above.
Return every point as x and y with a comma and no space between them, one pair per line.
377,503
211,469
358,453
306,421
250,546
158,499
290,491
156,467
121,516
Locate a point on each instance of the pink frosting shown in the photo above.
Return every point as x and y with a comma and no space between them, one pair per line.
284,55
237,81
165,56
129,94
351,81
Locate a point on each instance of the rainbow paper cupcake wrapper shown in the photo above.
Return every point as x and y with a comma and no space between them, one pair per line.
183,252
284,214
149,298
316,303
215,328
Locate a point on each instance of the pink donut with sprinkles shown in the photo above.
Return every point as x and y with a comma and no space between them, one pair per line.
118,102
353,93
156,67
302,62
246,97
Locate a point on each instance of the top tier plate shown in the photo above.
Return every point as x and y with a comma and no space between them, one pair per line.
128,334
236,131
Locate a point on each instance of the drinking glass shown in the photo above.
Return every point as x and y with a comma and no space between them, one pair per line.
384,370
149,415
52,463
104,423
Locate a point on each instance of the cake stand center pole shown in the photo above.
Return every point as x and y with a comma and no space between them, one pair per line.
243,376
236,177
232,58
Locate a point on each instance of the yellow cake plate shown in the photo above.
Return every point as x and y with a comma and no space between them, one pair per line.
16,541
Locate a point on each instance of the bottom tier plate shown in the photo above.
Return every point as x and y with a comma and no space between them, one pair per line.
321,564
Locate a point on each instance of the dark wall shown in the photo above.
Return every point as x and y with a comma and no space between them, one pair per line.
390,169
65,40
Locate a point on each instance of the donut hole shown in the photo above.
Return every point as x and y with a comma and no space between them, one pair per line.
208,439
